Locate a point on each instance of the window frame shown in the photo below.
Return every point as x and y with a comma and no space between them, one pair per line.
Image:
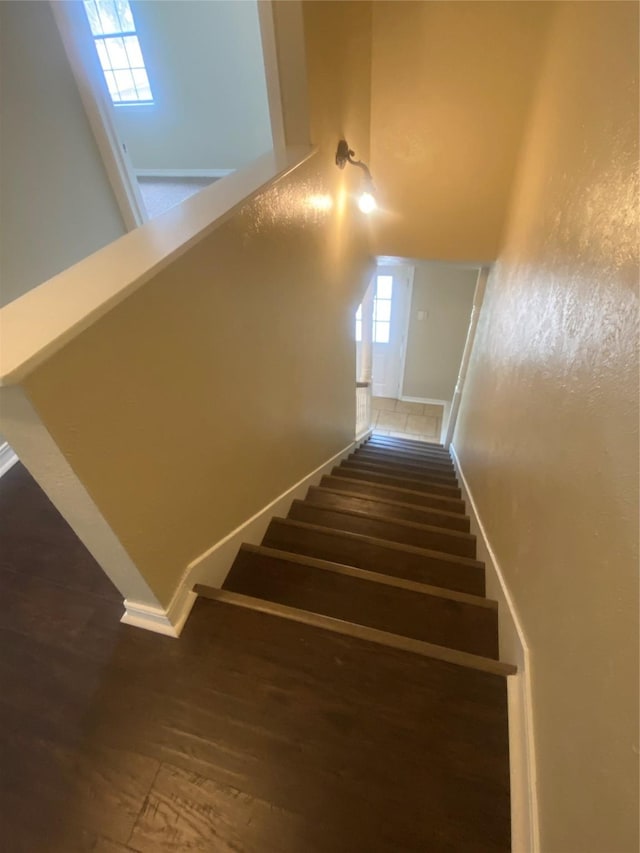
377,300
110,73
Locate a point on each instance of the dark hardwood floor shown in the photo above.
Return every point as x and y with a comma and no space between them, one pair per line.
251,733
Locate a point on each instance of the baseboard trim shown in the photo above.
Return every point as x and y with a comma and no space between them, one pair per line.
183,173
8,458
525,830
363,435
431,400
211,567
169,622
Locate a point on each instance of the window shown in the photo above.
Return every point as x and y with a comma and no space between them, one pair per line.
382,309
114,34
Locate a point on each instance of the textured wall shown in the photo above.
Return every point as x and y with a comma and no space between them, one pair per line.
217,385
548,430
339,43
451,87
434,345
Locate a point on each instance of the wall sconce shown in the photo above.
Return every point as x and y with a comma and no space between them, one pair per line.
367,201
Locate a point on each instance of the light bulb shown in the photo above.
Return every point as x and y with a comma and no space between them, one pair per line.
367,203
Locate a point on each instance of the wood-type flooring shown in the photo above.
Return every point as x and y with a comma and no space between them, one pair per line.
251,733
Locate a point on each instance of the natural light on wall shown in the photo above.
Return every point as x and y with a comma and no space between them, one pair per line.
116,41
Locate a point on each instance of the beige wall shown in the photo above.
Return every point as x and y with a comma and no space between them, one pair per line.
339,43
451,87
444,295
231,374
206,71
219,384
56,203
548,429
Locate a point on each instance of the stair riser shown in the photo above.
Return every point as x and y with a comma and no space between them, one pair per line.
420,515
406,458
393,531
408,447
423,617
363,485
446,476
378,475
328,545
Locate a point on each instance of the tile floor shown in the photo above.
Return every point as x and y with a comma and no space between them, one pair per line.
418,421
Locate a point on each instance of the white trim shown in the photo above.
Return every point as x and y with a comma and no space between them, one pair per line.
478,297
396,260
405,334
271,72
446,405
525,831
431,400
44,319
290,99
212,567
363,435
169,622
77,39
44,460
8,458
183,173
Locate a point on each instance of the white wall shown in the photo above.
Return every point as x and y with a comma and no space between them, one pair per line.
444,295
56,204
205,65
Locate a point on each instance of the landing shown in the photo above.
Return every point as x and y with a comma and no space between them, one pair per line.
403,419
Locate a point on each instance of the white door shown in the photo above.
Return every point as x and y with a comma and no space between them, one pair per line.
390,321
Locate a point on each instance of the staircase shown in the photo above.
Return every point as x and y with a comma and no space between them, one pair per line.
374,655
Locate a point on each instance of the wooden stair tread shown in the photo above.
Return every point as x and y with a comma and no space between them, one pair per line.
380,555
434,444
435,483
414,525
394,546
453,505
440,475
361,597
392,529
402,459
373,577
412,485
360,632
410,446
413,480
419,453
437,460
442,517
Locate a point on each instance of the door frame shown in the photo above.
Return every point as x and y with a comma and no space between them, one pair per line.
405,336
77,39
391,263
406,282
